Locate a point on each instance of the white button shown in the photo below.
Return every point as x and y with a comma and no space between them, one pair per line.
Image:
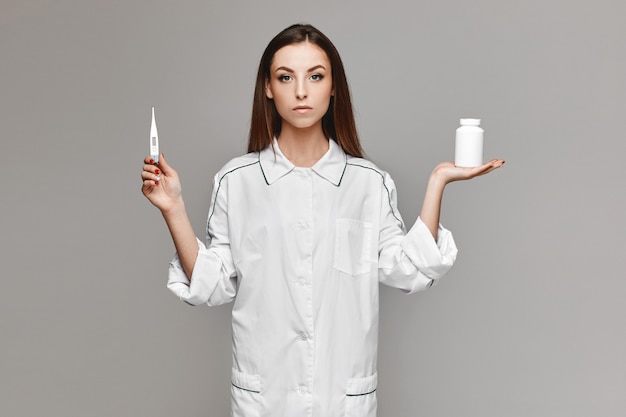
304,336
302,390
301,282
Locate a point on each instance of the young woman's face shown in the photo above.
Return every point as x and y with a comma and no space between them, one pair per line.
300,84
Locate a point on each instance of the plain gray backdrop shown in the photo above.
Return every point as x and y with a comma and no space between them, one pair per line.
529,322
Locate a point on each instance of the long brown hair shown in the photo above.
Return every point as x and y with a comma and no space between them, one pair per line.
338,122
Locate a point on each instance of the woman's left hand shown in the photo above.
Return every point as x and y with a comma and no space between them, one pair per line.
447,172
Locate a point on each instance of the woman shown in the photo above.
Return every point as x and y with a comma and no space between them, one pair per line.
300,232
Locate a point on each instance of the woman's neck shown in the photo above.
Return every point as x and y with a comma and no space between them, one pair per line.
303,147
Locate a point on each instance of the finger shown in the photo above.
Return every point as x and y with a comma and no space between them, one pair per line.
470,173
148,160
493,165
152,168
148,186
496,163
150,176
481,170
165,167
487,171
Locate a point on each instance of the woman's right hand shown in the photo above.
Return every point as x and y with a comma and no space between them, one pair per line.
161,184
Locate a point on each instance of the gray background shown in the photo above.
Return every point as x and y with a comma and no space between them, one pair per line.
530,322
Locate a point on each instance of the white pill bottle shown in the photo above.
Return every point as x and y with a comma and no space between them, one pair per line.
468,152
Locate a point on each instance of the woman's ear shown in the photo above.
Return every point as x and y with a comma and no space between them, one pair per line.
268,90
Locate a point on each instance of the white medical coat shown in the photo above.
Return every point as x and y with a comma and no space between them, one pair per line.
301,251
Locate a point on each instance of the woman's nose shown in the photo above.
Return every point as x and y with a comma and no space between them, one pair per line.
300,90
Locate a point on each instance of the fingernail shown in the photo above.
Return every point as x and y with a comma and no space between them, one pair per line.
151,161
157,179
158,172
156,182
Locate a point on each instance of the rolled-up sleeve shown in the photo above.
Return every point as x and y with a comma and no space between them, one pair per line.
212,281
411,261
432,258
214,278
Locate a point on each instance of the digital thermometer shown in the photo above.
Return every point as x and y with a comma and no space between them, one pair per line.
154,140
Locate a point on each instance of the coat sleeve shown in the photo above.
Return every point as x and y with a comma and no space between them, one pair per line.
411,261
214,278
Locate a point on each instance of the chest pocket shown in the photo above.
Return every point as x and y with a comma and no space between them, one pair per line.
353,247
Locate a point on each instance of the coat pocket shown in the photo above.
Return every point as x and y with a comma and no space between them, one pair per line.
246,394
361,396
353,246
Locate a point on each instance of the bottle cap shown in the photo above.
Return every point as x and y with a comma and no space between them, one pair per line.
470,122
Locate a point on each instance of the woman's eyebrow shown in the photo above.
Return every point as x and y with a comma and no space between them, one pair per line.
287,69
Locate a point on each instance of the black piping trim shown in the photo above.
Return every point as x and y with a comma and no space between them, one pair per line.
386,188
344,169
261,165
219,185
360,395
244,389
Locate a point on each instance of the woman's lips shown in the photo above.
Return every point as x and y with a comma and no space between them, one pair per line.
302,109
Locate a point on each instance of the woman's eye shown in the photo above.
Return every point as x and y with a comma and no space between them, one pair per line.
284,78
317,77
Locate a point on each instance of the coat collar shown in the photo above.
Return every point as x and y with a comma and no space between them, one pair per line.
331,166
